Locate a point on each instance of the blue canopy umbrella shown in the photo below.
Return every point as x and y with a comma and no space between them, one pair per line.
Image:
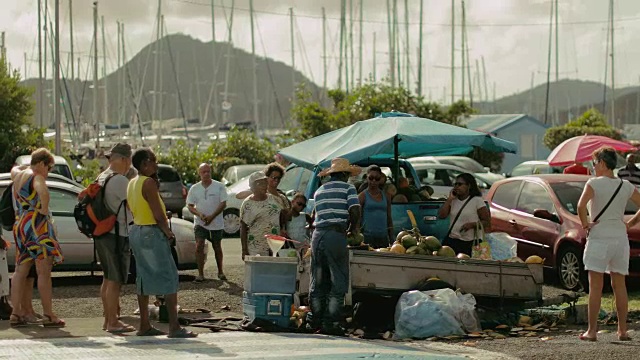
392,135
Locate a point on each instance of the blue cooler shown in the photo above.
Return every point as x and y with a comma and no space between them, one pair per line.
272,275
272,307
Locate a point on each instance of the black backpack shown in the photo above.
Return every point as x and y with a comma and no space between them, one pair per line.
7,213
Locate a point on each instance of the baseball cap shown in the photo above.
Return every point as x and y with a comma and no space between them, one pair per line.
258,175
121,149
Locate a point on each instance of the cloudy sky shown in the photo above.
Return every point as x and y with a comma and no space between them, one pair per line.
511,35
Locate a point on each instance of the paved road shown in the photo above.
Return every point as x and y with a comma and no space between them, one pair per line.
238,345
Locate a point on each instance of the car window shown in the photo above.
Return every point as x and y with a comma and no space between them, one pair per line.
506,194
481,183
62,169
304,180
522,170
533,197
247,170
465,163
290,178
62,201
569,193
166,174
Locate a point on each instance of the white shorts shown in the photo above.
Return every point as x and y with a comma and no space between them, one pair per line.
607,256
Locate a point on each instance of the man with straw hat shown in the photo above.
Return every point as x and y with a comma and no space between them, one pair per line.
337,212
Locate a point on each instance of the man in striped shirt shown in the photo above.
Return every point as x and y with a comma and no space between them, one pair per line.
631,171
337,213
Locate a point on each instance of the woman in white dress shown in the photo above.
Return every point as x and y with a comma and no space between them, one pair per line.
607,249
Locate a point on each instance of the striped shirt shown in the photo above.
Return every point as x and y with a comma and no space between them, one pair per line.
332,203
630,173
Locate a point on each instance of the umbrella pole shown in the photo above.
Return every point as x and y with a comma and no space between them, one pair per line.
396,155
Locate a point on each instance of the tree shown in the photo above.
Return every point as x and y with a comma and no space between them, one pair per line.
18,135
591,122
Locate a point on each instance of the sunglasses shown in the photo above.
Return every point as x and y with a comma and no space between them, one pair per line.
459,184
373,178
594,162
301,203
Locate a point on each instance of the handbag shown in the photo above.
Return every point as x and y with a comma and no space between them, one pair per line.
481,248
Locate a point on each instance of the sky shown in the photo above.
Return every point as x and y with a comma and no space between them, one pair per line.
512,36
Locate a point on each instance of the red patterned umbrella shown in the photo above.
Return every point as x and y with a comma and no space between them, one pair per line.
580,148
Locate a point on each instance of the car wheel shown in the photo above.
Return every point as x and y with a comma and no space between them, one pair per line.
231,222
570,269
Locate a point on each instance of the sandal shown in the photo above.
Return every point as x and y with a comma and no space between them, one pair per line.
122,329
624,337
17,321
151,332
182,334
49,323
33,319
587,338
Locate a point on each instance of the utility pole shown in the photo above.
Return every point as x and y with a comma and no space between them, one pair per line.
324,49
225,95
56,78
484,77
374,57
40,80
104,73
466,53
557,115
361,5
24,73
396,43
546,102
46,40
613,73
154,114
453,51
407,48
71,38
392,74
123,55
462,52
352,74
478,80
255,70
420,49
160,67
343,10
96,118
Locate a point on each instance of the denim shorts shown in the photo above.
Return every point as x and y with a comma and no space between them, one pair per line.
156,271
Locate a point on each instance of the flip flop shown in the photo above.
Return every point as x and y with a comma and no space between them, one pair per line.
49,323
122,330
624,338
16,321
182,334
151,332
587,338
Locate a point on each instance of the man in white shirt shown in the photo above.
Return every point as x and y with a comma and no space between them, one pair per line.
206,201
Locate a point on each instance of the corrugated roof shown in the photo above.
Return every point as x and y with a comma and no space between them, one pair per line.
490,123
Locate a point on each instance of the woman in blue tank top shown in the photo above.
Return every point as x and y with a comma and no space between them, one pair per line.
377,226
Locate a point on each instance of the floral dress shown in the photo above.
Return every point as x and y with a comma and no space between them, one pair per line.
262,218
33,232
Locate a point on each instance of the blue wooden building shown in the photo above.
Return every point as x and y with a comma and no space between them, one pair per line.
525,131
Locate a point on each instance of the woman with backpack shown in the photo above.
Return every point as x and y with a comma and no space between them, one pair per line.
35,236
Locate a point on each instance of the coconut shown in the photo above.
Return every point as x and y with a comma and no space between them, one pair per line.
431,243
355,240
401,234
515,259
383,250
534,259
446,252
409,241
412,250
463,256
398,249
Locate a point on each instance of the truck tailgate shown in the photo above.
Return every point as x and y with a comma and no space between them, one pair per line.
426,214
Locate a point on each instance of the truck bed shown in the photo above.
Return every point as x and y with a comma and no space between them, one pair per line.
426,214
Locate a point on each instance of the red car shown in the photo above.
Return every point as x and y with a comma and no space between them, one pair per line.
540,212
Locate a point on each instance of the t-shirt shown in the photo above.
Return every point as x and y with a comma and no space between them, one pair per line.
577,169
332,203
114,194
611,223
469,214
206,200
297,230
262,218
632,174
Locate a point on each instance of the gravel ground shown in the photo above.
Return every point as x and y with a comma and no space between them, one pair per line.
77,295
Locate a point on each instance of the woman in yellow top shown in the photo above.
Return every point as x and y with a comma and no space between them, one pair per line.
151,239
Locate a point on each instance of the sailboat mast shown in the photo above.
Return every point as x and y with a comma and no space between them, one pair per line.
407,47
225,95
104,72
374,57
343,9
293,55
154,114
420,49
71,39
324,49
56,79
360,80
254,69
96,118
546,102
40,81
613,73
453,51
462,52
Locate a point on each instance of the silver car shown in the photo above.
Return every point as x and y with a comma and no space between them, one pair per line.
234,173
78,250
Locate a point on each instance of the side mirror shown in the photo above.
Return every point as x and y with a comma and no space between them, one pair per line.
79,179
545,214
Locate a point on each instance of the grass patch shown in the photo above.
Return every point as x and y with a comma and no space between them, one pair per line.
608,303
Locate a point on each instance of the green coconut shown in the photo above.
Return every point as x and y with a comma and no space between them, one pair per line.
412,250
430,243
446,251
409,241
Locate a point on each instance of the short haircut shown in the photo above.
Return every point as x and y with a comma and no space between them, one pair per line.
374,168
139,156
299,195
607,155
274,166
42,155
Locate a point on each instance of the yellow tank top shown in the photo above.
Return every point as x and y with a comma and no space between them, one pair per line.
142,214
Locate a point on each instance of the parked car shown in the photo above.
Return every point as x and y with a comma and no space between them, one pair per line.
234,173
78,250
534,167
60,166
51,176
540,213
172,190
441,177
468,164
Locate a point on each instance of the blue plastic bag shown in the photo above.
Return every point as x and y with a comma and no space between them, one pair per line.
503,246
426,314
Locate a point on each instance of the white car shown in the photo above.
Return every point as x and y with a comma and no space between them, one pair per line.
441,177
60,165
234,173
78,250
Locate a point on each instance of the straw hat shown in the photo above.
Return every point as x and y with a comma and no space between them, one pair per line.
339,165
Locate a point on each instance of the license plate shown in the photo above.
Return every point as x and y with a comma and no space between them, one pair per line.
165,194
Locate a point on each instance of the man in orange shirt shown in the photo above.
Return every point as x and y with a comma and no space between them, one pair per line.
577,169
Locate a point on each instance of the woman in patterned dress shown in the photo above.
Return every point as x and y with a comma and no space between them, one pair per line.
34,236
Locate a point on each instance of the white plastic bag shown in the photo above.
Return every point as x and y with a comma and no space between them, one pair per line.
468,316
424,314
503,246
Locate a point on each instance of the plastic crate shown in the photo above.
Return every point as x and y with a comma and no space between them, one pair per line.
272,275
274,308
